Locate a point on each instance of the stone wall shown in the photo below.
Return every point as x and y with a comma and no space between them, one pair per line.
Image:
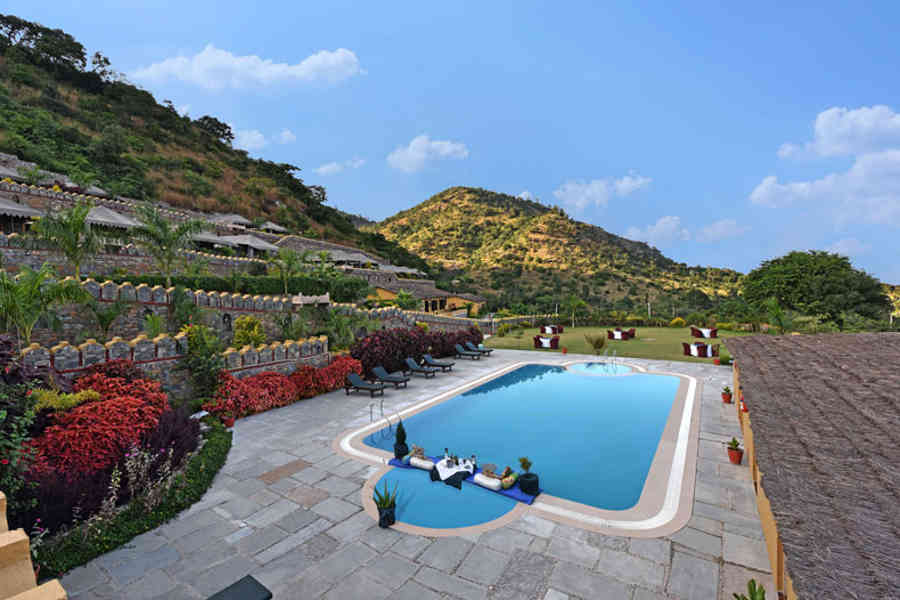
159,357
391,317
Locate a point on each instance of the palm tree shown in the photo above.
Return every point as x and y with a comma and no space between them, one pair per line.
31,296
71,233
286,264
406,301
164,240
572,304
325,267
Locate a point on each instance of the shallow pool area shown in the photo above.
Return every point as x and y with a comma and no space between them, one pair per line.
591,440
600,368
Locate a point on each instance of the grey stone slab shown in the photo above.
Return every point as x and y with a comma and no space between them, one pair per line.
296,520
346,560
315,456
286,568
483,565
572,551
555,595
506,539
735,578
705,525
259,540
414,591
282,486
643,594
698,541
446,553
352,528
83,578
539,545
693,577
599,540
265,497
724,515
357,585
574,579
348,469
534,525
292,541
631,569
525,574
154,583
656,549
390,570
239,507
380,538
220,576
258,468
272,513
337,486
208,535
411,546
335,509
332,461
202,559
186,524
448,584
124,573
247,487
133,550
746,552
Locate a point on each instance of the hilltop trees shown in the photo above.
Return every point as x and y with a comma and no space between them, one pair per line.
816,283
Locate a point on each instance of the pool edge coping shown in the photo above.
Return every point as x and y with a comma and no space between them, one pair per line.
673,514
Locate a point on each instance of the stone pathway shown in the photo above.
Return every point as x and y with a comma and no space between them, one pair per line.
286,509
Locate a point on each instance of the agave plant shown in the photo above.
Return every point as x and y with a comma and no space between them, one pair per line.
754,592
386,499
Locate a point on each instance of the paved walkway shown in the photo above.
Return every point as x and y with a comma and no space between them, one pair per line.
286,509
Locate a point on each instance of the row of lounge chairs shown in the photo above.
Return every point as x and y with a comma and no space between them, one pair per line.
428,368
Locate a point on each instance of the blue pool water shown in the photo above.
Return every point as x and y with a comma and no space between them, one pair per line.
425,503
600,368
591,439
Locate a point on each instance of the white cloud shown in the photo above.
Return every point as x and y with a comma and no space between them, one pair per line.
525,195
250,139
581,194
183,109
286,137
720,230
333,168
216,69
849,247
421,149
846,132
665,230
868,192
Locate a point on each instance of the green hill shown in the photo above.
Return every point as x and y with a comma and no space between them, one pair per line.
85,121
528,252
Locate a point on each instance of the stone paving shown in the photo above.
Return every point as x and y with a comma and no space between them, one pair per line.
286,509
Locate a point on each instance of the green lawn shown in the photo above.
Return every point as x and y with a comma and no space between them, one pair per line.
651,342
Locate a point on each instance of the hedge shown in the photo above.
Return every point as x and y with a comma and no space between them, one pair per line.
342,289
77,548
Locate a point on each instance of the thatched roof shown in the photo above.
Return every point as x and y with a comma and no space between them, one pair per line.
825,413
230,219
14,209
212,238
270,226
107,217
248,240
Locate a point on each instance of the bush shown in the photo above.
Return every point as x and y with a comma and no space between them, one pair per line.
391,347
56,402
306,381
677,322
334,375
203,360
696,318
121,367
727,325
724,357
503,329
258,393
248,331
16,420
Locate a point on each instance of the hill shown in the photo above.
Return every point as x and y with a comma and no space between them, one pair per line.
526,252
89,123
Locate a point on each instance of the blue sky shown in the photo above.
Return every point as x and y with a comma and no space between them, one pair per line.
722,133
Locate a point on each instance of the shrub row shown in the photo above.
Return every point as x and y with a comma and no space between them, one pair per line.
390,347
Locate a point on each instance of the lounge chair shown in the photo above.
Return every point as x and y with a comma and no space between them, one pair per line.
687,348
474,348
412,367
398,378
355,383
429,361
632,333
554,342
695,332
463,353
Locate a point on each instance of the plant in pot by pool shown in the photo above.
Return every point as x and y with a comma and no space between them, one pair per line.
735,452
754,592
528,482
726,395
387,505
400,447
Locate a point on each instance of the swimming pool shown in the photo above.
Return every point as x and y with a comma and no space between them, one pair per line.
591,439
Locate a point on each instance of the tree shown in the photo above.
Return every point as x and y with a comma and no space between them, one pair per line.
31,297
31,175
817,283
405,300
71,233
106,314
286,264
163,240
777,316
571,305
216,128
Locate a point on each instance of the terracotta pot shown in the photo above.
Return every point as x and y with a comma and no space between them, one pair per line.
716,361
565,350
744,407
228,422
735,456
726,398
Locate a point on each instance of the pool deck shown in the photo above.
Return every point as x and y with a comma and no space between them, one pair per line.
287,509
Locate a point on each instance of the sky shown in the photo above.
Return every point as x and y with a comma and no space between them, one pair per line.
722,133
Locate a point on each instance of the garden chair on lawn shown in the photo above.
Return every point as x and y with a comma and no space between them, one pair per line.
442,365
397,378
474,348
463,353
355,383
412,367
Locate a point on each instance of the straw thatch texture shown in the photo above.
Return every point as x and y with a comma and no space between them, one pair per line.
825,413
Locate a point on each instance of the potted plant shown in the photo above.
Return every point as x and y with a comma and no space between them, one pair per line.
726,395
743,404
735,452
565,350
387,505
528,482
716,361
754,592
400,447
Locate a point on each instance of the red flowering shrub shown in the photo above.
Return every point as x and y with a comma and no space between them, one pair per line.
273,390
334,375
121,367
391,347
306,380
257,393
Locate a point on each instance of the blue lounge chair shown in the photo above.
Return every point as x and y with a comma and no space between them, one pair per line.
398,378
355,383
463,353
412,367
429,361
474,348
